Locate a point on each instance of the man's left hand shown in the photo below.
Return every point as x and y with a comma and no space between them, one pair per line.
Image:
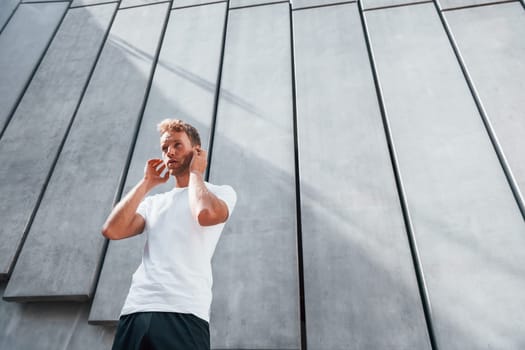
199,161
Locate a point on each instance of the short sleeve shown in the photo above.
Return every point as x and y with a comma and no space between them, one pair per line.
144,206
228,195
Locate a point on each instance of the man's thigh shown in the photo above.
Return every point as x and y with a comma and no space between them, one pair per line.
132,332
179,331
161,331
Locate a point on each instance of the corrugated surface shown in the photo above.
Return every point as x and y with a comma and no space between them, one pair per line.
374,209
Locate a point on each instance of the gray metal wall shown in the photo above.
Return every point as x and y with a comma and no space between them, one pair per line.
375,146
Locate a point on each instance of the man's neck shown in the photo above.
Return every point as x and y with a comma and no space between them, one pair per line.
182,180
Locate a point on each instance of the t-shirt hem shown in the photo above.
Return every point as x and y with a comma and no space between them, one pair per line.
202,315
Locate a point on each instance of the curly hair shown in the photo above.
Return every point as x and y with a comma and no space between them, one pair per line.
178,126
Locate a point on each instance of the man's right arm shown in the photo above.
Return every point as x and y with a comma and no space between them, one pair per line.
124,222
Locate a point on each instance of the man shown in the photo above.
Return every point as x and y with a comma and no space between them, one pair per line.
168,303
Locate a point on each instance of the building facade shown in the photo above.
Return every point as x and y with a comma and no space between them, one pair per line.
376,147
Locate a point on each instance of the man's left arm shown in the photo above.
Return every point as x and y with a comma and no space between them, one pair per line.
205,206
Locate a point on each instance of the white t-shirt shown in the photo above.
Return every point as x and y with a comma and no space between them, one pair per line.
175,274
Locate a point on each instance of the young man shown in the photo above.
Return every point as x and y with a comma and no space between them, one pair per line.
168,303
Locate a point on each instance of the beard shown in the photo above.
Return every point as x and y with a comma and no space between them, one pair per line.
183,166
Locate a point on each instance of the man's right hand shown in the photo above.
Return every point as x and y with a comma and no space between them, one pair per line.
153,172
124,221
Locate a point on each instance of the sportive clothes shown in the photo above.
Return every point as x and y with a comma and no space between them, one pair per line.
161,331
175,274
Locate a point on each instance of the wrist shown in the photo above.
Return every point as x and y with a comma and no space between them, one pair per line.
197,173
146,185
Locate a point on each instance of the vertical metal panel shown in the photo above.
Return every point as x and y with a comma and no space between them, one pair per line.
358,270
369,4
22,44
447,4
6,10
184,87
77,3
241,3
298,4
468,226
61,256
50,326
132,3
256,293
185,3
30,143
491,43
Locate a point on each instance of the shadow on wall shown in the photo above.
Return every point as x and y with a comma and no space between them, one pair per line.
59,324
191,77
241,251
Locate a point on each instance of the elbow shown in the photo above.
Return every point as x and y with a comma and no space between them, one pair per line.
108,233
203,218
209,218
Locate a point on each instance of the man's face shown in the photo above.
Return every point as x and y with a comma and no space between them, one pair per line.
177,152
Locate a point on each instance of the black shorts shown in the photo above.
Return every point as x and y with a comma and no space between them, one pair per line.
161,331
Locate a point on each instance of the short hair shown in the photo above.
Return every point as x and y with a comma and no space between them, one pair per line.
178,126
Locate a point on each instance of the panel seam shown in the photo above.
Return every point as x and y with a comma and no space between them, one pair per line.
43,2
68,130
300,260
217,93
423,291
197,5
91,5
478,5
12,113
138,123
323,5
32,74
258,5
397,5
9,18
145,5
483,114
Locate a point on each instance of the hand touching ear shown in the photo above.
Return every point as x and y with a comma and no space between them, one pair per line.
199,161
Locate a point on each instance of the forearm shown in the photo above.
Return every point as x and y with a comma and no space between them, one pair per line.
206,207
122,215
